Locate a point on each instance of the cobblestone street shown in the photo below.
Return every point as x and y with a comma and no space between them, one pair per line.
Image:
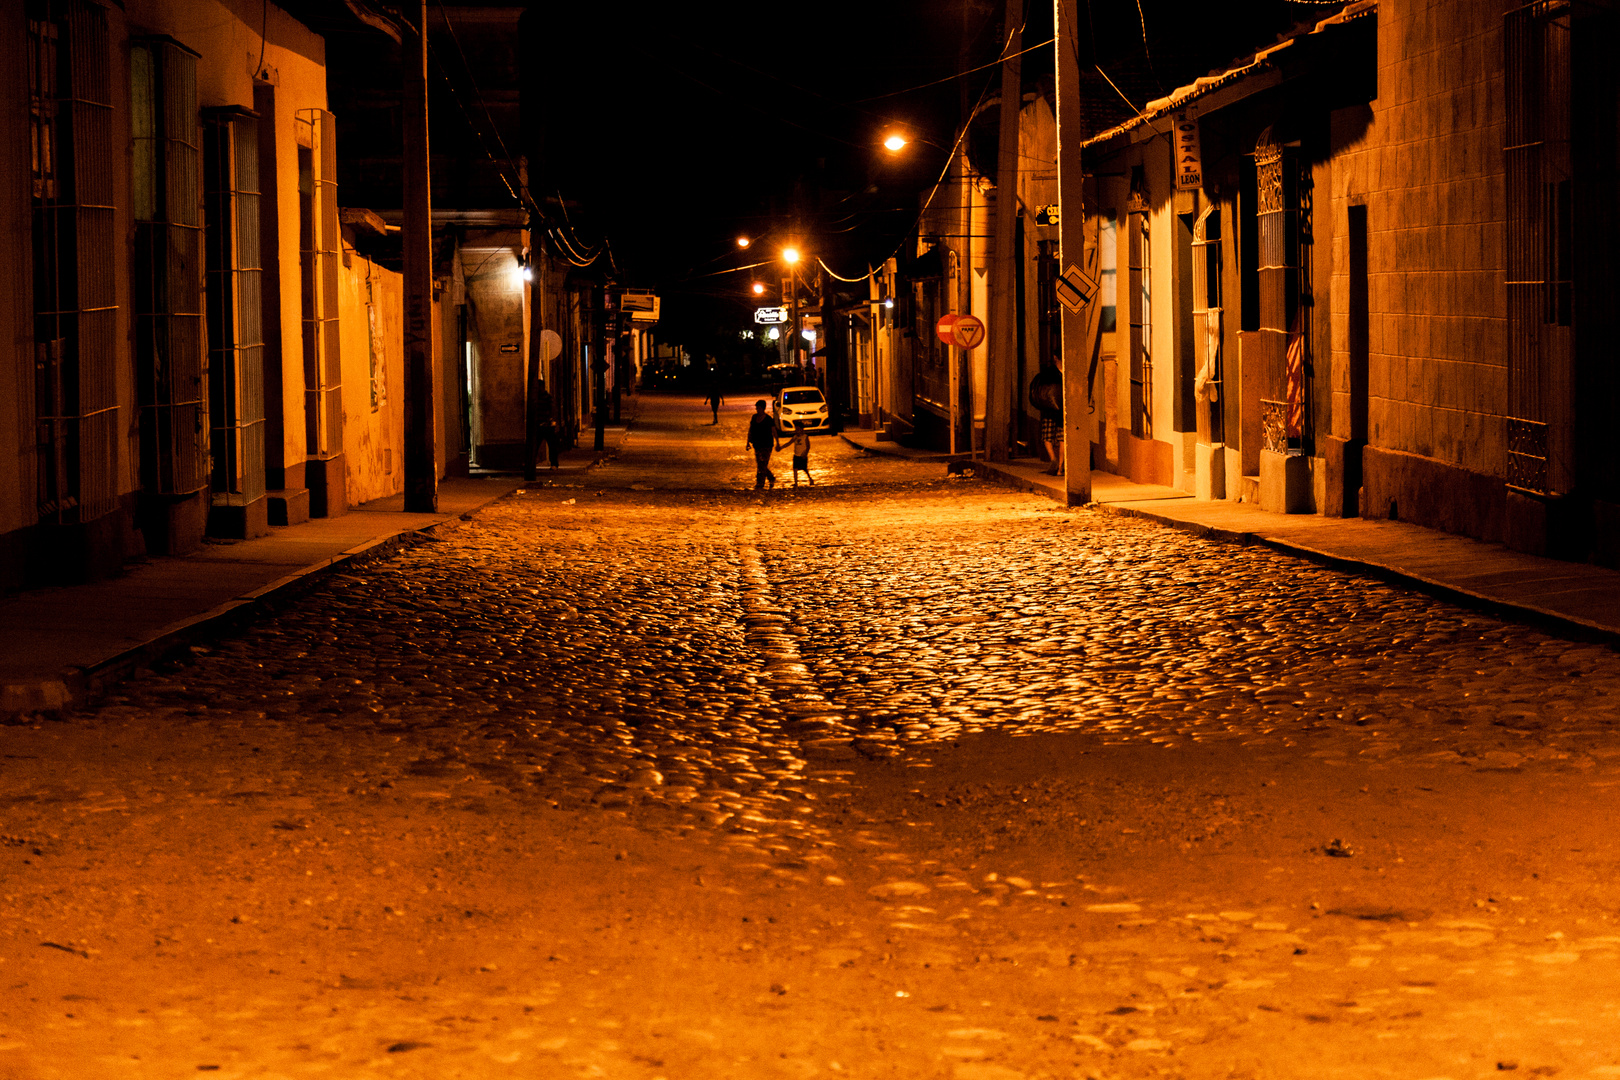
898,775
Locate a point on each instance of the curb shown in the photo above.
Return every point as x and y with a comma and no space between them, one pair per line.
76,684
1557,623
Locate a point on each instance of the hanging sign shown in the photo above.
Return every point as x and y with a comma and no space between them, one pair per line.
770,316
1189,154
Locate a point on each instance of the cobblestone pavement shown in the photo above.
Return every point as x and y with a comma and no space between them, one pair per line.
898,775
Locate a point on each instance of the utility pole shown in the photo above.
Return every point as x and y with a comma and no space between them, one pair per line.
421,466
599,366
531,435
1003,366
1079,328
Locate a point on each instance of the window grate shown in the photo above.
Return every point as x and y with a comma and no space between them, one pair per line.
1540,227
166,282
73,231
234,305
319,249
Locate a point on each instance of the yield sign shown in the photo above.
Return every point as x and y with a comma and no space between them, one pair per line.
968,331
1075,289
963,331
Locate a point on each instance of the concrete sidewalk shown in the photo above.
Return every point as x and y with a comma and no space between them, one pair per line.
1567,598
60,644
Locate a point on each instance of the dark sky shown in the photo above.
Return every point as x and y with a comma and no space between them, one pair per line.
672,127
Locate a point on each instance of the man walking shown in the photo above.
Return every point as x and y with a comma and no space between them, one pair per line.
714,401
762,437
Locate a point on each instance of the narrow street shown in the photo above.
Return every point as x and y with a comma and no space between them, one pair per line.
898,775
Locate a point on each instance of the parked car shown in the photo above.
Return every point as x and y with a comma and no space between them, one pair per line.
795,403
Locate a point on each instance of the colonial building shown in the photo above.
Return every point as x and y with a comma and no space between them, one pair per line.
205,342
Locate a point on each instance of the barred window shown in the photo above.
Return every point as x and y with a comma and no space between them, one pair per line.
166,281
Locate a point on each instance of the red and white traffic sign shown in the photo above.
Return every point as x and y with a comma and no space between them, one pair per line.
968,331
963,331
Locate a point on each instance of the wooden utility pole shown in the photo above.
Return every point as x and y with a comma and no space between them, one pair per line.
1079,328
1002,370
421,465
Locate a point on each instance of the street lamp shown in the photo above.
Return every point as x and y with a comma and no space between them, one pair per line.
895,143
759,288
743,241
790,255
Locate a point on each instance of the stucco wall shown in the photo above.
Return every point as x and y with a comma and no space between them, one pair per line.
370,324
1429,169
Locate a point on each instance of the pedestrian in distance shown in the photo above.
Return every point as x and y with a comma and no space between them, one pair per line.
714,401
762,438
801,453
1046,394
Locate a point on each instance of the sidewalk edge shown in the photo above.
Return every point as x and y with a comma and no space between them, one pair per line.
75,684
1564,625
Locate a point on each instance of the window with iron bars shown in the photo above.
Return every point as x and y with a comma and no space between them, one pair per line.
1540,229
234,305
318,243
166,282
75,306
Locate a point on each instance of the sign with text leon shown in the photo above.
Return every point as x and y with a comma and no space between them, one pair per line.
770,316
1189,155
963,331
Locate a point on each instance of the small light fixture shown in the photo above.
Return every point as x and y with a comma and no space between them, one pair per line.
759,289
888,301
809,333
743,241
895,143
773,334
790,255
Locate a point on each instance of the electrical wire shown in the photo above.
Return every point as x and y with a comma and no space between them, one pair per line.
959,74
1143,20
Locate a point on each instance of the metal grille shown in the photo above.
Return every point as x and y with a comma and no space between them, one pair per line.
319,252
1206,250
75,298
1141,298
1274,426
1527,455
1540,224
167,279
234,305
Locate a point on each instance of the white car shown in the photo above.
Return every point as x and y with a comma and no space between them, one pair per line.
796,403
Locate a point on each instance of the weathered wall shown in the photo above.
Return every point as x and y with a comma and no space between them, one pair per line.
1427,163
371,329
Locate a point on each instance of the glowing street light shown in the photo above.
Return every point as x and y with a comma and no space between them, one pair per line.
790,255
759,289
895,143
743,241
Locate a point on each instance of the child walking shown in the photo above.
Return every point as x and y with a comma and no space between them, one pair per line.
801,453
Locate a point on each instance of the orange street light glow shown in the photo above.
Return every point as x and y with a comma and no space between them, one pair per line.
790,255
759,289
895,142
743,241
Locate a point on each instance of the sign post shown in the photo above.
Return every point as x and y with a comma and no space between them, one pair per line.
1080,314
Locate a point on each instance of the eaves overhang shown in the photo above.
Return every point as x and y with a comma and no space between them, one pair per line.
1262,71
